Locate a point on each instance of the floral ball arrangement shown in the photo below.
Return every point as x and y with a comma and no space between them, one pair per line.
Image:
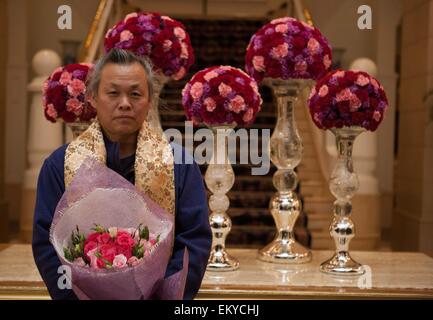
347,98
64,94
160,38
288,49
221,95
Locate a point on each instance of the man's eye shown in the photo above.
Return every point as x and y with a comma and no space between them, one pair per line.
136,94
112,93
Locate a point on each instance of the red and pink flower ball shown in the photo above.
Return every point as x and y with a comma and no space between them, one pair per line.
162,39
288,49
64,94
221,95
347,98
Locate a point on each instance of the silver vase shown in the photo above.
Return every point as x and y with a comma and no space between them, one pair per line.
286,153
219,178
343,185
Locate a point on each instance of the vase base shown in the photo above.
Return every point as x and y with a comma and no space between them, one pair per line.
342,264
284,252
221,261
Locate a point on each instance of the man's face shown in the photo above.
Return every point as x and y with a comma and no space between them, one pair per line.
122,101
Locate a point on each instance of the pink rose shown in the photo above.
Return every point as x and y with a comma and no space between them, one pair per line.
180,74
282,28
124,239
51,111
313,46
344,95
301,66
119,261
248,115
92,237
104,238
133,261
108,252
237,104
326,61
259,63
74,105
65,78
90,248
377,116
210,75
224,89
126,35
323,91
184,50
210,104
91,254
196,90
354,102
362,80
76,87
280,51
167,45
180,33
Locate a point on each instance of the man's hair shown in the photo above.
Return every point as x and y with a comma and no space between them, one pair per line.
122,57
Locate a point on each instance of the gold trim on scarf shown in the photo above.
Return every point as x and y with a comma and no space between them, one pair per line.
154,163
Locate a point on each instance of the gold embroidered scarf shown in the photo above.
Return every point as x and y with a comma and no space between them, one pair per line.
154,164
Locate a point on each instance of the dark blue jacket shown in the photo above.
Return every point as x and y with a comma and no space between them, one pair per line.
191,225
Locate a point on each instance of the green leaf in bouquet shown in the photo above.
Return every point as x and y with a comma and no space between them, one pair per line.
98,228
144,233
138,251
68,255
157,238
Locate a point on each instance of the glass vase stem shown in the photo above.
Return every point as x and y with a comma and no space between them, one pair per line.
219,179
343,185
286,153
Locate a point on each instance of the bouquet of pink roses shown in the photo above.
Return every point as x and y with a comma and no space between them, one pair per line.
110,248
119,262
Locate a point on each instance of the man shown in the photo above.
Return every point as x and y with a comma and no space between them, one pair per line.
121,91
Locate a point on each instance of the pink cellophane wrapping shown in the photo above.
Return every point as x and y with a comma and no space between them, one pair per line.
99,195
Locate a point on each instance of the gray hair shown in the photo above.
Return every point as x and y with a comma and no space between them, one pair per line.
119,56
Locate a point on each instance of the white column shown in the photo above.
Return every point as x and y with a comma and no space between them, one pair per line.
43,136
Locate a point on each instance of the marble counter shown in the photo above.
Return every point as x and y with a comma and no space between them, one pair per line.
392,275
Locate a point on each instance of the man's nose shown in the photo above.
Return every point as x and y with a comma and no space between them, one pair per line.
124,103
